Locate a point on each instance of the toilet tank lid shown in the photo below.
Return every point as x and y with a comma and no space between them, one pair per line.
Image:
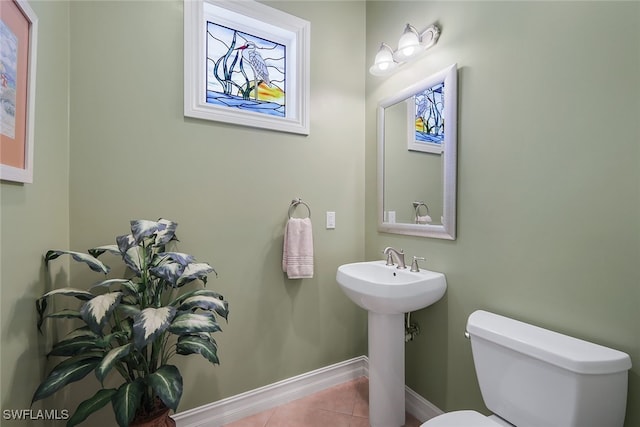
561,350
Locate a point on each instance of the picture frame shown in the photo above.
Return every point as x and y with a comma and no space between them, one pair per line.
427,114
246,63
18,55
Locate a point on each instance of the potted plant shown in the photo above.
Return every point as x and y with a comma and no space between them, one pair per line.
133,326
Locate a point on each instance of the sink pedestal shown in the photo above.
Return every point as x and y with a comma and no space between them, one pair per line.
386,370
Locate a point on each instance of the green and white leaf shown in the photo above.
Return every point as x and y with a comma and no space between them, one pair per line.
206,302
84,331
128,310
193,271
133,258
93,263
41,308
125,326
109,282
132,255
179,257
170,272
117,335
189,323
110,359
195,344
75,346
67,313
150,323
166,234
126,402
96,252
81,294
141,228
64,373
91,405
96,312
131,288
199,292
167,384
42,302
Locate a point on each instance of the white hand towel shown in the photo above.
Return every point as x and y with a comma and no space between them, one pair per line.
423,219
297,253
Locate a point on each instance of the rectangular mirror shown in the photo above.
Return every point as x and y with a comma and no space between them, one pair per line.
417,146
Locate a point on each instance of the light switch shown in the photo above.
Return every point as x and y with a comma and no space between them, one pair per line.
392,217
331,220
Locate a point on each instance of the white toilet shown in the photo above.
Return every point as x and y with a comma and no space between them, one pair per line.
533,377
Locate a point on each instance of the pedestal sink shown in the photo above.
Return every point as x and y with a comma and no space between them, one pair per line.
387,292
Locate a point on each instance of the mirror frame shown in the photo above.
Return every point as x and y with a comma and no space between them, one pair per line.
447,230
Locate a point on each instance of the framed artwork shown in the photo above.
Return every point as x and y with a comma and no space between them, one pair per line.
426,114
18,47
426,120
246,63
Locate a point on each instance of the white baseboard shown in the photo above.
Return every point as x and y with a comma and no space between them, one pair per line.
420,407
261,399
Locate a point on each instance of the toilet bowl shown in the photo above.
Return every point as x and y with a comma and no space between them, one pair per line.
466,419
533,377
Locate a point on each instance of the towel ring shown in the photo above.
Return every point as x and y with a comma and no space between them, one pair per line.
295,203
418,205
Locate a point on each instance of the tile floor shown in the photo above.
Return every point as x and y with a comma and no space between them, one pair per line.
345,405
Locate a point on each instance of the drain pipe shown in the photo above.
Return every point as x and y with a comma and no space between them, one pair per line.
410,329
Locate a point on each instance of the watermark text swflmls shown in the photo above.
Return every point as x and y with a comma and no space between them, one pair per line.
35,414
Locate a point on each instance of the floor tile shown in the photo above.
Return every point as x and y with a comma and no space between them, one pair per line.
345,405
411,421
299,415
257,420
340,398
361,404
359,422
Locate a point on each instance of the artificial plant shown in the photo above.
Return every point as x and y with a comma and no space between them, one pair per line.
133,326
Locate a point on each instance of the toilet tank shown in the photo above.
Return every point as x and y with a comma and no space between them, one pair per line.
533,377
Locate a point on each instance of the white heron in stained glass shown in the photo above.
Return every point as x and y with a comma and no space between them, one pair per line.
259,67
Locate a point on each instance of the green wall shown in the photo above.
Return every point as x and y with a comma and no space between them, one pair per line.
548,177
35,216
134,155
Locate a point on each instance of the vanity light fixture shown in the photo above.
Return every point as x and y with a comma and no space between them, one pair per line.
410,46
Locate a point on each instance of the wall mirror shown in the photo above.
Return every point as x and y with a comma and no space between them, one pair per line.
417,145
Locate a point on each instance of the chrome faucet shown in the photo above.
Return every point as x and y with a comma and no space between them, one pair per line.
415,268
392,254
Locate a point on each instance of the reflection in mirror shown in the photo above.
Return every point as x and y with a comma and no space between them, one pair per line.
417,158
412,176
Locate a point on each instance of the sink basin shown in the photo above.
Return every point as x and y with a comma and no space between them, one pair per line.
377,287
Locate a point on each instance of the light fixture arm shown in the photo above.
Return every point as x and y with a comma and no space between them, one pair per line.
430,36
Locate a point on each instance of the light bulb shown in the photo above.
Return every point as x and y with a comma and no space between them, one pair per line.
408,45
383,62
408,51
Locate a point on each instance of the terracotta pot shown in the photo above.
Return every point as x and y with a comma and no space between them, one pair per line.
159,418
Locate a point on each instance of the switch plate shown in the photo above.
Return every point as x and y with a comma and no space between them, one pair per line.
331,220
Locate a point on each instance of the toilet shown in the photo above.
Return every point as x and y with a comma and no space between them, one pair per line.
533,377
